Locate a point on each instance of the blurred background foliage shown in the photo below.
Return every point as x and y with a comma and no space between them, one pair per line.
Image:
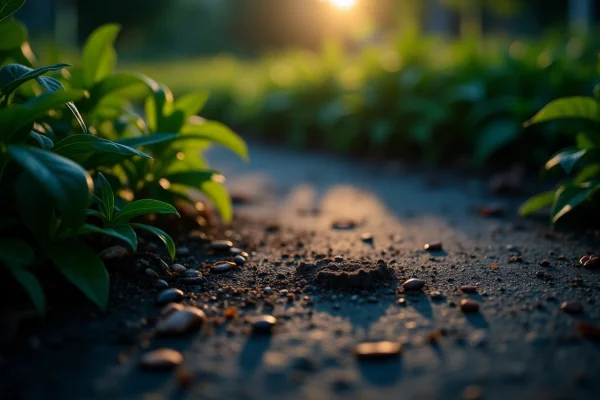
432,80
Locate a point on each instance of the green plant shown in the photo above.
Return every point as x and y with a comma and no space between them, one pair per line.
581,163
117,223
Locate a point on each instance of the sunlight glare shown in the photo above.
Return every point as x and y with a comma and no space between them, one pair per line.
343,4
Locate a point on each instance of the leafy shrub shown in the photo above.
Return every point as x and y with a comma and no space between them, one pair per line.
52,162
581,163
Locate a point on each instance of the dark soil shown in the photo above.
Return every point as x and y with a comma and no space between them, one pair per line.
331,290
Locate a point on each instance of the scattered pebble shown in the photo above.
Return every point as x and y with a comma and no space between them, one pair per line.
161,360
343,223
268,291
378,350
169,295
495,266
170,309
161,284
544,263
590,261
338,258
114,253
402,302
151,273
221,245
468,289
437,295
469,306
191,273
263,324
433,246
234,251
571,307
239,260
413,284
220,268
366,237
178,268
193,281
181,321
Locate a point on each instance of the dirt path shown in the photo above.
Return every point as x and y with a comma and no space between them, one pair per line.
519,345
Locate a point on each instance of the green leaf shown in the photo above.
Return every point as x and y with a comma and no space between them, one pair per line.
96,213
586,140
44,141
17,255
494,137
9,7
216,132
537,202
17,116
117,233
567,159
164,237
35,207
127,231
66,182
14,75
54,85
588,173
147,141
99,57
108,85
13,34
157,106
143,207
570,196
90,150
191,103
568,107
83,268
108,197
209,183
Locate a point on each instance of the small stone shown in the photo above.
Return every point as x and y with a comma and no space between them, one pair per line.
378,350
193,281
161,360
263,324
151,273
178,268
571,307
511,247
343,224
221,245
161,284
544,263
169,295
469,306
234,251
220,268
402,302
239,260
468,289
113,253
338,258
413,284
437,295
590,261
183,251
170,309
366,237
268,291
433,246
191,273
181,321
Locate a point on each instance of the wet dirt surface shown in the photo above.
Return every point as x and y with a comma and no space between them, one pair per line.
520,343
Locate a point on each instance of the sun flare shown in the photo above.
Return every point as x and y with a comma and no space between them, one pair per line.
343,4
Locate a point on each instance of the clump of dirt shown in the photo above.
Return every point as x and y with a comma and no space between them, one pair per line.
348,275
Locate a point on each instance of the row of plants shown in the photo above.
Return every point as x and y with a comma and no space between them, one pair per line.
416,96
81,163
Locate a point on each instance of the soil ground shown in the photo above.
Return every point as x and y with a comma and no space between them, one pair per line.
520,345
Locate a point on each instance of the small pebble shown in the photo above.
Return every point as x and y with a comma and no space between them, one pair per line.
239,260
263,324
338,258
402,302
571,307
433,246
344,224
469,306
181,321
221,245
220,268
169,295
161,284
468,289
191,273
178,268
590,261
413,284
151,273
170,309
193,281
437,295
378,350
268,291
161,360
114,253
234,251
366,237
544,263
